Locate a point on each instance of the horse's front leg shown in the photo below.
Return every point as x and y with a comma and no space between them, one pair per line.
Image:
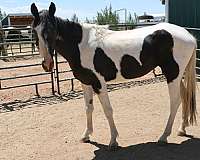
107,108
88,96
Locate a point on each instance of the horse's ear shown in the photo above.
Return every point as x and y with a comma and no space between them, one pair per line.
34,11
52,9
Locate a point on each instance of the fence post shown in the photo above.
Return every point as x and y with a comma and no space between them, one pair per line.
36,90
31,40
72,84
20,47
57,73
0,84
52,83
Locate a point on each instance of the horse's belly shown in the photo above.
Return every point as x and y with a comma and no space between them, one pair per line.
118,79
127,74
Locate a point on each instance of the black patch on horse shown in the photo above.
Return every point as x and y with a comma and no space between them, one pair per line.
90,101
104,65
67,46
157,50
130,67
164,54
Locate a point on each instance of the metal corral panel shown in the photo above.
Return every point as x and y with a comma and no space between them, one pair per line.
185,13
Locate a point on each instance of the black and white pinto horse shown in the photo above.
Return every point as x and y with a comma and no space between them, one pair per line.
98,55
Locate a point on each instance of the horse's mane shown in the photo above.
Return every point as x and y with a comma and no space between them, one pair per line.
69,29
93,25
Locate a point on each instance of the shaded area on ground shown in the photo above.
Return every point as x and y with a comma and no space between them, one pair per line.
187,150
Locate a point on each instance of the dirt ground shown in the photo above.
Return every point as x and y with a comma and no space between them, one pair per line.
52,132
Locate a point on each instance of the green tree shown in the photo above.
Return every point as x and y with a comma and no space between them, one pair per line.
2,15
74,18
92,21
107,16
130,19
87,20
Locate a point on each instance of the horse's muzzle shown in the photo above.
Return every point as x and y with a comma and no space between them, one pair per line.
47,66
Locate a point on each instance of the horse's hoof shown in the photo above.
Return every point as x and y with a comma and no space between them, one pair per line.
181,133
162,143
85,140
113,147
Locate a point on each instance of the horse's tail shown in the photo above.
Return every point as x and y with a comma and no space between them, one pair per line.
188,89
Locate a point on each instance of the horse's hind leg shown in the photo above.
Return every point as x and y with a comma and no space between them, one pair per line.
175,100
181,130
107,108
88,96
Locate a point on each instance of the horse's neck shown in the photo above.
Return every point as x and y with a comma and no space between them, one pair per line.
68,38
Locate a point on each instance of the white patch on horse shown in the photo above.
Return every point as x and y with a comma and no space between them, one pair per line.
42,47
48,61
112,43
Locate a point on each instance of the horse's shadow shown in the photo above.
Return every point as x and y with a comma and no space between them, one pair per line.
187,150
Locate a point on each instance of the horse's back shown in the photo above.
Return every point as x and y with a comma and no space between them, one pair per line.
178,32
131,42
140,33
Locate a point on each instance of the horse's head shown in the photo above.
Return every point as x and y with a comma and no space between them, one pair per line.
45,26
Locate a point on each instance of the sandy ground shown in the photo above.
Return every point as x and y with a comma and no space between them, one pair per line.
52,132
